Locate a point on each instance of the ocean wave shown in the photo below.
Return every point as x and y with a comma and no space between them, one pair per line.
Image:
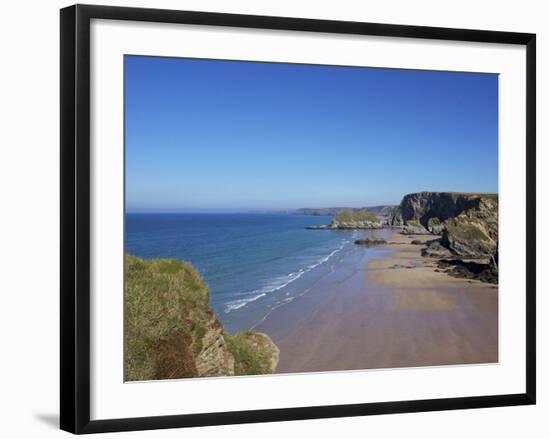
282,282
277,305
237,304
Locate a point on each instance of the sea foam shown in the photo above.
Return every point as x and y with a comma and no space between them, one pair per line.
280,282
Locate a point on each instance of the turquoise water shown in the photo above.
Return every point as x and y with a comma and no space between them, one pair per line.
252,263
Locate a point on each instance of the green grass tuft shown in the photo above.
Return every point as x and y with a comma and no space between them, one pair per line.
466,231
167,320
253,353
165,315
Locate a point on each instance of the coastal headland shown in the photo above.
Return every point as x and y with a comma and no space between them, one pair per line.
419,288
422,293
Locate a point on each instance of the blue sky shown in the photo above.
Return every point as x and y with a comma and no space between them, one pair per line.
208,135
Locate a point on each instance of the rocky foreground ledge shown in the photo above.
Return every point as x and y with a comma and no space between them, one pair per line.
171,331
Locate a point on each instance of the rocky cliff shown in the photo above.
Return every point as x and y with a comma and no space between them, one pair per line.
171,331
467,222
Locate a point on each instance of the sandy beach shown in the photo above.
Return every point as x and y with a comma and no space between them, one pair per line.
386,307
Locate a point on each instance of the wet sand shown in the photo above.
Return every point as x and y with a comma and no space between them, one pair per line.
386,307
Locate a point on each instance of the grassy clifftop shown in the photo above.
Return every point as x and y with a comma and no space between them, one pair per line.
350,216
171,331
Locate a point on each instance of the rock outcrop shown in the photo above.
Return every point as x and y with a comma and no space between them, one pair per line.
485,272
351,220
413,227
434,249
379,216
466,222
370,242
214,358
381,211
171,331
348,225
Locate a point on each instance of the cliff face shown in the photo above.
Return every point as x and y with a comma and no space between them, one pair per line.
467,223
171,332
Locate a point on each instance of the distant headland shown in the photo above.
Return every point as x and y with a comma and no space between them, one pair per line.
464,226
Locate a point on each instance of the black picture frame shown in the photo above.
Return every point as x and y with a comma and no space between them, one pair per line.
75,217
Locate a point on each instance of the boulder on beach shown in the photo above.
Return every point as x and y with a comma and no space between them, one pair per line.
435,226
483,271
434,249
370,242
414,228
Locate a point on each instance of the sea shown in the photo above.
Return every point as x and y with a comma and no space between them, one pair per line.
253,263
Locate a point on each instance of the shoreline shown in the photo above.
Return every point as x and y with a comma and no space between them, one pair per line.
386,307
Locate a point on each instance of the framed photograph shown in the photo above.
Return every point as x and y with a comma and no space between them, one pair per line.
268,218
